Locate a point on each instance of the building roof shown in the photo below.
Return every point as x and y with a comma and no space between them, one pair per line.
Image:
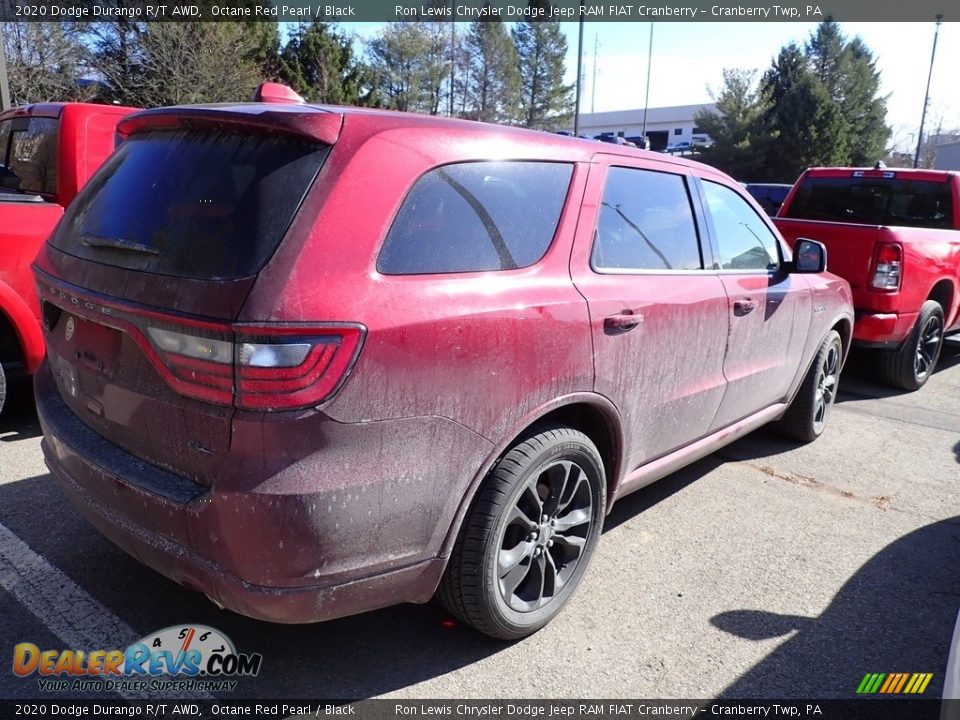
654,115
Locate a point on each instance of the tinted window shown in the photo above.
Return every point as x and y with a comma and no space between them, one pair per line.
645,223
874,201
191,204
30,155
744,241
476,216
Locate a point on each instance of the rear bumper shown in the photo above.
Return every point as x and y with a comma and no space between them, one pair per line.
269,553
882,330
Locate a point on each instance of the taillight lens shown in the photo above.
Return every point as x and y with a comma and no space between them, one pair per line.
256,367
887,267
289,369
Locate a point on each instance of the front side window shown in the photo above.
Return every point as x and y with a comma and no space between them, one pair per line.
743,239
645,223
478,216
29,155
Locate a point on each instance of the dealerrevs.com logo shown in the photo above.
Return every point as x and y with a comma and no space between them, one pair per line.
184,657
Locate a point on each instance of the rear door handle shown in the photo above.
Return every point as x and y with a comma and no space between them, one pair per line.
744,307
626,320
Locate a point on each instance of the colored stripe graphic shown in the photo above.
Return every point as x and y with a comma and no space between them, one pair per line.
894,683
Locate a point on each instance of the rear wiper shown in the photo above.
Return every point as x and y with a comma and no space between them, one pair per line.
117,244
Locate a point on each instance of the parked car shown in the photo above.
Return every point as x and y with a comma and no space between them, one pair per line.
894,234
47,152
438,388
613,139
679,147
769,196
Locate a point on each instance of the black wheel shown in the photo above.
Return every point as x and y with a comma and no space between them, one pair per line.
3,388
911,366
808,413
529,536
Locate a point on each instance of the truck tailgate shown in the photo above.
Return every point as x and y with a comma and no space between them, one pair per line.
850,248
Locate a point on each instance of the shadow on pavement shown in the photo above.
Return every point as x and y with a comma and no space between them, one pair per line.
894,615
18,421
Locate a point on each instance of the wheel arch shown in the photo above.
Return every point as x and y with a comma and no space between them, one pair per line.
592,414
944,292
17,318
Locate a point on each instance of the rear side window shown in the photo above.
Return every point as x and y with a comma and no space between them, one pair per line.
874,201
645,223
28,152
479,216
192,203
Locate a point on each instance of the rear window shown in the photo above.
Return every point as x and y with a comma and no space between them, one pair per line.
28,154
874,201
192,204
472,217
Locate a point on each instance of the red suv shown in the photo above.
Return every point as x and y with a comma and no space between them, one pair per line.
313,361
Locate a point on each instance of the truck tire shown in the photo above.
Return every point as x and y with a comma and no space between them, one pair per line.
3,388
912,365
510,573
807,416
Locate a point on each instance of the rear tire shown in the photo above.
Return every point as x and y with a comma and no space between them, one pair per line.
911,366
807,416
529,535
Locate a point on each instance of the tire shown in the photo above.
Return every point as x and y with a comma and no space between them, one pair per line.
807,416
3,388
558,475
911,366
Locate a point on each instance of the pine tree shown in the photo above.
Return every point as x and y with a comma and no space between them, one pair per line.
546,102
492,78
319,64
847,71
808,124
740,140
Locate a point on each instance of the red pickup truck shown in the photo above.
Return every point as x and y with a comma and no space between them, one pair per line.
47,153
894,235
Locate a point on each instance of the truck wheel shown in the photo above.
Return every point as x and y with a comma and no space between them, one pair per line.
3,388
807,416
529,536
911,366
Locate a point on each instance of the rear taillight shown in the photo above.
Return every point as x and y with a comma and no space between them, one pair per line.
286,368
261,367
887,267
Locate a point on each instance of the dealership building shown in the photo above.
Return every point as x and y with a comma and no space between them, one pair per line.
665,125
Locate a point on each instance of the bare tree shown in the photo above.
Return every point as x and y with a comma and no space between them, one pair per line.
45,61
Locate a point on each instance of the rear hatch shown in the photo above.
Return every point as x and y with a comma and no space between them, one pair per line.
144,278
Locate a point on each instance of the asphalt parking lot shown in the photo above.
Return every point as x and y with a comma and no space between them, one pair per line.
767,570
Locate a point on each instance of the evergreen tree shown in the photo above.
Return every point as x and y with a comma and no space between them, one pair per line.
740,139
546,102
319,64
493,78
808,124
847,71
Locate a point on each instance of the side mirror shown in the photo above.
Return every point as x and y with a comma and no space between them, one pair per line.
809,256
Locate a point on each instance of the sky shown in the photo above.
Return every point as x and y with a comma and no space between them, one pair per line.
689,59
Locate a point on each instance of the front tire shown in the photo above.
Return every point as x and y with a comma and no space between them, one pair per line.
529,536
911,366
807,416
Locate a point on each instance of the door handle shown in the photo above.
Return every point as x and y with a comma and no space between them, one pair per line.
744,307
625,320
